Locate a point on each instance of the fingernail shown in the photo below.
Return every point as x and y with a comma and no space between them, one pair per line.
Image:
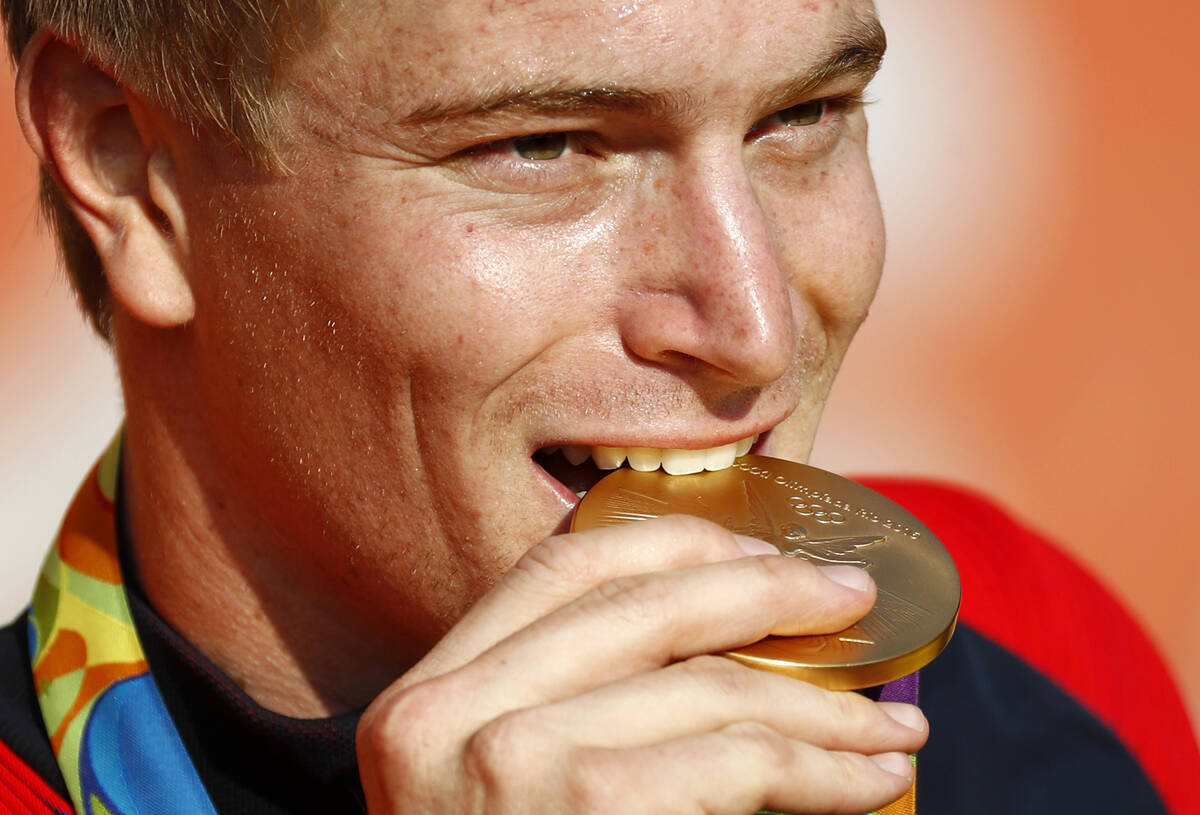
895,763
755,546
908,715
851,577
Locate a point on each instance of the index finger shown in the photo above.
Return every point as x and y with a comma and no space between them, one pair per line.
562,568
631,625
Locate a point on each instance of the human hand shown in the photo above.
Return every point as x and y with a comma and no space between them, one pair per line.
583,683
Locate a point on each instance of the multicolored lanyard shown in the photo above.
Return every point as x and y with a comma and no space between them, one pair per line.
906,689
116,745
119,751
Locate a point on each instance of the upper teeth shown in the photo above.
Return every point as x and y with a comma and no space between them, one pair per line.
675,462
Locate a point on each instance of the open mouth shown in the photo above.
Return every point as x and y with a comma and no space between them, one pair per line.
579,466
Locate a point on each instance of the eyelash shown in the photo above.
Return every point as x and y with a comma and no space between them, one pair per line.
833,108
499,162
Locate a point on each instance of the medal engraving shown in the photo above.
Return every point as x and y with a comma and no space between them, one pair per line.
824,518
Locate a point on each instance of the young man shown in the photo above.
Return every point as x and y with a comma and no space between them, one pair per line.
364,266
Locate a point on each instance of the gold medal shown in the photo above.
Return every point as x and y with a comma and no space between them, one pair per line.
824,518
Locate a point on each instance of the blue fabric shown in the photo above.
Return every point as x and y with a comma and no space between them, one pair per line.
132,759
1004,740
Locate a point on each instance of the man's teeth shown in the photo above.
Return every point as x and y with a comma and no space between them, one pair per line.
646,459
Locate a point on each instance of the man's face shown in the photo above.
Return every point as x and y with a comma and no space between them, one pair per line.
511,225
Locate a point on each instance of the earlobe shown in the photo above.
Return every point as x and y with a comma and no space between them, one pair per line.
115,170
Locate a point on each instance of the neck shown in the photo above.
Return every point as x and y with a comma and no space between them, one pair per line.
219,578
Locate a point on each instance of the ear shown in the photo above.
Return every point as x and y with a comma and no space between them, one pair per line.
103,146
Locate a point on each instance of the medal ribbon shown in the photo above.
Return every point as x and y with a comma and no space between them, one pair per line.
905,689
116,745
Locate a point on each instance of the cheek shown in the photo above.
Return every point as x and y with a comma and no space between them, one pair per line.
855,248
464,303
378,286
297,349
831,239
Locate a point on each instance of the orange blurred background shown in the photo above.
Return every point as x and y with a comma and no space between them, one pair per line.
1035,335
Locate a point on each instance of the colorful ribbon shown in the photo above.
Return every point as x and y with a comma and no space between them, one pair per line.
116,745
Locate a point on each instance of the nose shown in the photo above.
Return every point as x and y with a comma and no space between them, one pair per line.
710,288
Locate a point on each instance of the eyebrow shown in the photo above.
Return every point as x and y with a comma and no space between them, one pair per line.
857,53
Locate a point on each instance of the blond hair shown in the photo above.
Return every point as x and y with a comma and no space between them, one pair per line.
213,63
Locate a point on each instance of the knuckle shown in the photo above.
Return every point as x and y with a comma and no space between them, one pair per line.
871,728
867,781
775,580
859,772
868,724
723,675
374,745
700,531
852,709
556,559
786,570
772,747
590,783
777,574
795,584
396,730
490,755
637,599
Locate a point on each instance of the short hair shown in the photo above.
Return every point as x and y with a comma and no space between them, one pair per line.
213,63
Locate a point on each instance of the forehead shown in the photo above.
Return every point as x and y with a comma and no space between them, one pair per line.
398,56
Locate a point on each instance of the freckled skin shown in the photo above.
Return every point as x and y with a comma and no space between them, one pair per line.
382,338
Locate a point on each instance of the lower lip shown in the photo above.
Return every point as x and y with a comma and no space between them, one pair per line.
570,499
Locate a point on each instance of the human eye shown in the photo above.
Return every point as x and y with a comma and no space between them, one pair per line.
539,147
810,126
536,162
803,114
535,148
810,113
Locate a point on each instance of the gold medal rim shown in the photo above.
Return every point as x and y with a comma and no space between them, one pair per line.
866,674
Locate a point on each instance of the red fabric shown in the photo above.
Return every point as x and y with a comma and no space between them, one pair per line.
1022,592
23,792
